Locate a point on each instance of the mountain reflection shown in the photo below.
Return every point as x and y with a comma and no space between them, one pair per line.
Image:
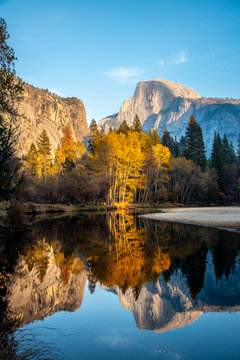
166,274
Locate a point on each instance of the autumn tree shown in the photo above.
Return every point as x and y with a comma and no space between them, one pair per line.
68,153
44,154
120,158
185,179
154,137
32,160
161,156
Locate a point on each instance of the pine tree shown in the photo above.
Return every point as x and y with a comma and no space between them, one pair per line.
195,148
43,144
137,126
123,128
229,156
223,160
217,154
93,136
32,159
154,137
10,97
167,140
176,148
44,154
238,150
182,146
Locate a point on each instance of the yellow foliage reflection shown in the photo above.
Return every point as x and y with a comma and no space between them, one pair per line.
126,259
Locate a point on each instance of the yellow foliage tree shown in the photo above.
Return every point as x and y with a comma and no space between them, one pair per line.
161,158
68,152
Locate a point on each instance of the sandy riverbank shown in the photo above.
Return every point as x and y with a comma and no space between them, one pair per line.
222,217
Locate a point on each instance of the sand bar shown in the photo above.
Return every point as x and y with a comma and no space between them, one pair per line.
227,217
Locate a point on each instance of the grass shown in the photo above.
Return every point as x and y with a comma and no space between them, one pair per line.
26,344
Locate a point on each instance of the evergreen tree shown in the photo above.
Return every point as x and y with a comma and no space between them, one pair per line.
182,146
229,156
32,159
93,136
223,160
154,137
10,96
238,150
43,144
194,144
238,168
123,128
137,126
167,140
176,148
44,154
217,154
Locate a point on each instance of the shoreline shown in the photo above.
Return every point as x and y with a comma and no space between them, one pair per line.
223,218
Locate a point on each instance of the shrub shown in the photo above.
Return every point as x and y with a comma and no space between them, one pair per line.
16,213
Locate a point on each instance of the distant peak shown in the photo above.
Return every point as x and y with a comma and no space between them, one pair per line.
176,88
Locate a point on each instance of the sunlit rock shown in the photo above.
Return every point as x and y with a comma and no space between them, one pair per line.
162,104
41,109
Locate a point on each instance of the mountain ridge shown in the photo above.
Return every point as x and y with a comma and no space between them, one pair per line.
163,104
41,109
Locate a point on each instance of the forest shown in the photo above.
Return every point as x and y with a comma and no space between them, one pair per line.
120,167
127,165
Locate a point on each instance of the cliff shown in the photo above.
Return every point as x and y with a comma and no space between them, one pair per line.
31,298
167,306
41,109
162,104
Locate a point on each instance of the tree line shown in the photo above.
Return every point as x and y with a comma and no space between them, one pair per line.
122,166
127,165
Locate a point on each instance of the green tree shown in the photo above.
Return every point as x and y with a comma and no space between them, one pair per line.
154,137
10,96
223,160
194,147
93,136
123,128
229,156
137,126
167,139
238,150
176,148
216,159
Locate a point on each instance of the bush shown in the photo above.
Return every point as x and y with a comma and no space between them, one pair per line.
16,213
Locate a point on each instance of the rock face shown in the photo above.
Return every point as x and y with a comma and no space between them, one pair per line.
162,104
30,298
167,306
44,110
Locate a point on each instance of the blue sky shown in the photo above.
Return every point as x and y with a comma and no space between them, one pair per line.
99,50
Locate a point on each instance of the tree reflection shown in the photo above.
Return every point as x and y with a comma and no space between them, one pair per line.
120,249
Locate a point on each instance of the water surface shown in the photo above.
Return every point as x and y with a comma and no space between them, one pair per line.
116,286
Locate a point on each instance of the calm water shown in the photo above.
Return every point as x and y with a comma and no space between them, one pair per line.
117,286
